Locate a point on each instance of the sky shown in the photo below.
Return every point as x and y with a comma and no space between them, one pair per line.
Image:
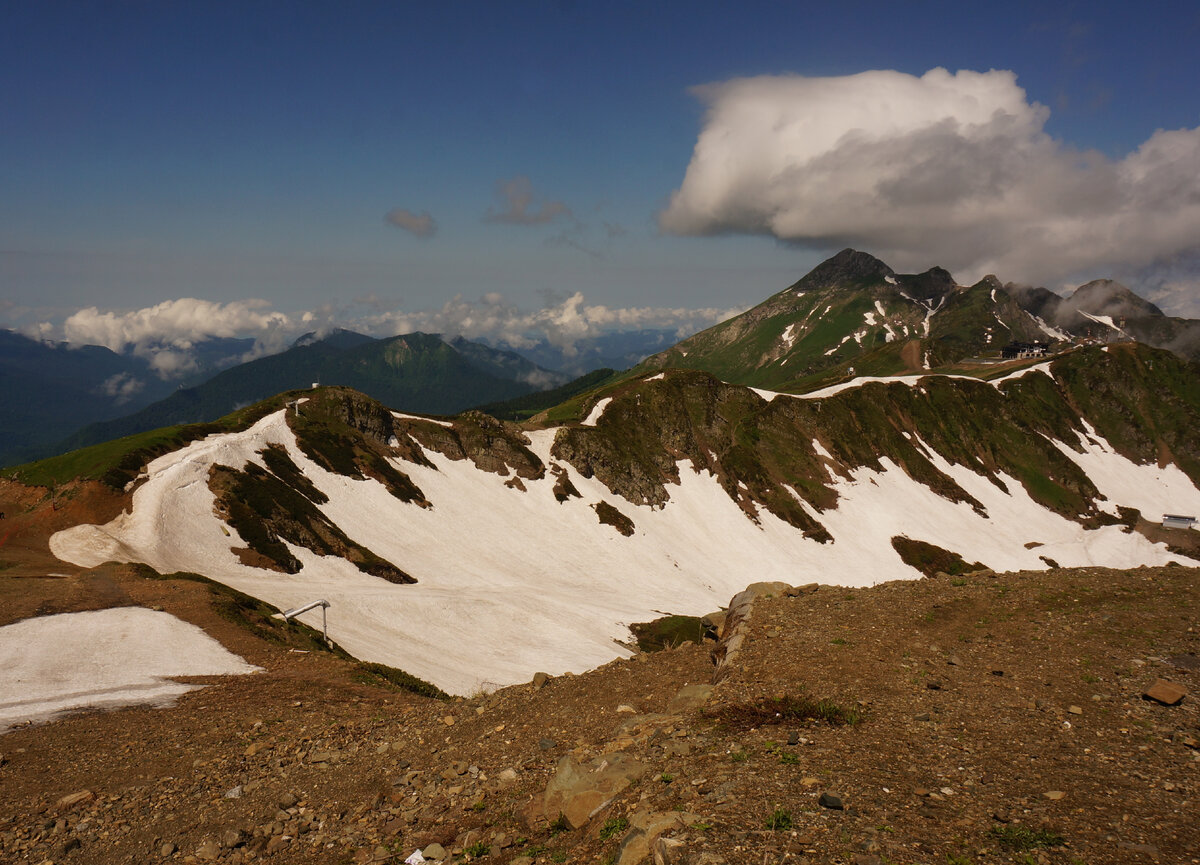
176,170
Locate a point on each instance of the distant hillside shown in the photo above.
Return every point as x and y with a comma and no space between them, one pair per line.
416,372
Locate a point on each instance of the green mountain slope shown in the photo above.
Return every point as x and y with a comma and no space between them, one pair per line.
416,372
854,315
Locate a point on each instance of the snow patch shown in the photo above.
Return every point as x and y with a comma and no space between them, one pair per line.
789,336
103,659
597,410
402,416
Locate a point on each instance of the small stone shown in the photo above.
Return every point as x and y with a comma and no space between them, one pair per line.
547,744
434,851
1166,693
832,801
924,716
793,738
507,775
933,685
810,782
287,800
626,709
448,720
277,843
997,672
166,850
72,799
954,661
1148,849
540,679
1054,795
208,851
233,838
234,793
1075,710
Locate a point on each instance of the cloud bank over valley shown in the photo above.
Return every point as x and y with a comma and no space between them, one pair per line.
167,334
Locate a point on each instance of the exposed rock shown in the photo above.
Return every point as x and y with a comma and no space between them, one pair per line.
832,801
66,803
577,791
689,697
434,852
645,827
1165,692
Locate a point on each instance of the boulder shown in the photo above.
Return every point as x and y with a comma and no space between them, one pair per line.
577,791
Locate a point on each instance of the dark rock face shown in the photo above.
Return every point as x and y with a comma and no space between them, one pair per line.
847,267
493,445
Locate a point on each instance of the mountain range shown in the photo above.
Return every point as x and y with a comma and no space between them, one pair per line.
851,315
419,372
664,493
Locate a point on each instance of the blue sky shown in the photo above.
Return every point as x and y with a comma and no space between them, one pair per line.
231,151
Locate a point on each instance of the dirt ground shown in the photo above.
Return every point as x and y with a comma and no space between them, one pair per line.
997,718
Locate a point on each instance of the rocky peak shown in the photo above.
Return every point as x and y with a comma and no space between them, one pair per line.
848,267
1106,297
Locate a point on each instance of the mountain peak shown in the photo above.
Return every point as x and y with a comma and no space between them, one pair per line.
848,266
1107,297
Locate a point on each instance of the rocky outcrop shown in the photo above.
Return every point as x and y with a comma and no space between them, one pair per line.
493,445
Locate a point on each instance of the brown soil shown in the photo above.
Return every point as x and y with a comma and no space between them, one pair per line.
978,696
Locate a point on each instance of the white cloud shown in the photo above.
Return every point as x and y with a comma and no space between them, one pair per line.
420,225
950,169
122,387
167,332
520,206
562,322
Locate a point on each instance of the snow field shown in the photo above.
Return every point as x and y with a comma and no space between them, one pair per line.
513,582
105,658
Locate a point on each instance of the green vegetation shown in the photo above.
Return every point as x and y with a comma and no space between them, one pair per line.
478,850
930,559
780,820
1012,837
524,407
116,463
383,675
613,826
667,632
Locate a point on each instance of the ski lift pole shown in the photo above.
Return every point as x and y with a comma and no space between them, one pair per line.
323,604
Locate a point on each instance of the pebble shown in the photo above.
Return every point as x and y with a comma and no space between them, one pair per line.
832,801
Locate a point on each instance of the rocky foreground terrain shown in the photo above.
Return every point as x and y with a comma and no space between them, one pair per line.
985,718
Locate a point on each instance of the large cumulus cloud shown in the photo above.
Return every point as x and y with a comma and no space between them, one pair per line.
950,169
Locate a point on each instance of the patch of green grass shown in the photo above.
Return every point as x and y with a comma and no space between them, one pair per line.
780,820
115,463
559,825
667,632
381,674
929,559
478,850
789,759
1023,838
666,777
613,826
